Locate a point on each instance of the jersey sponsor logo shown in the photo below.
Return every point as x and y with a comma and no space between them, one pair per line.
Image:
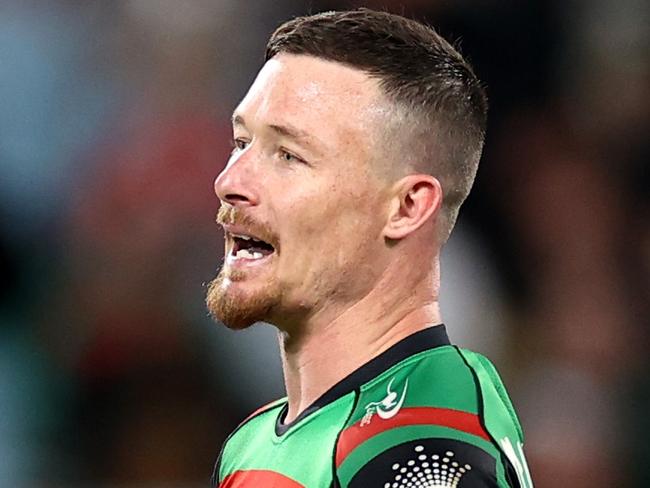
256,478
388,407
428,471
516,456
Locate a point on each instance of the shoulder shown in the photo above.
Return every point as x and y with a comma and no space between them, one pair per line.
424,420
263,416
245,433
427,461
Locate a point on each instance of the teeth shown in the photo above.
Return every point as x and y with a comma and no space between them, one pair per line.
246,254
246,238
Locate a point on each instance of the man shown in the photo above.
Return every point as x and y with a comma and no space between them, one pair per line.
353,151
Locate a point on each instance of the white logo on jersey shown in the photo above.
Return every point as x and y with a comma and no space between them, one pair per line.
386,408
422,470
516,457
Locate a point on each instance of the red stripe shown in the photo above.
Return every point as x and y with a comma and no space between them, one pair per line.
257,478
354,435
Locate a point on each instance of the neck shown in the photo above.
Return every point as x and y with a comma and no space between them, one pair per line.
338,340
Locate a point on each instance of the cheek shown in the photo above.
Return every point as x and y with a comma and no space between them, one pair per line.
333,218
329,223
339,230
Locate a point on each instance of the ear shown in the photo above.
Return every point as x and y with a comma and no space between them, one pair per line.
416,198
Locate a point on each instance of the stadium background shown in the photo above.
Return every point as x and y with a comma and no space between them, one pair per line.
113,125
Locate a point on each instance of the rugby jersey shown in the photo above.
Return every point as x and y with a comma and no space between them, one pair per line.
424,413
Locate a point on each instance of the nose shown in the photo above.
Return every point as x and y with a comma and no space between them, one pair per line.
235,184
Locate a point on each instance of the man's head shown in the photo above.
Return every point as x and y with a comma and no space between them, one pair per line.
355,147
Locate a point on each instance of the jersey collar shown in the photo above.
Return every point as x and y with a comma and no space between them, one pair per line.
420,341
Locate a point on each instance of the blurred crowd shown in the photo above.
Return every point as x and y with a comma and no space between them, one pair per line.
114,124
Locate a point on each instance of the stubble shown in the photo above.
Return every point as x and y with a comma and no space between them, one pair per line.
238,309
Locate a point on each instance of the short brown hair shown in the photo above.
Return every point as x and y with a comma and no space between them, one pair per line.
420,72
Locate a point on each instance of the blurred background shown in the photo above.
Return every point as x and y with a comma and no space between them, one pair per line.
114,122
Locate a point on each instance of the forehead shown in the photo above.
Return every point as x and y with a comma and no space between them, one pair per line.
323,98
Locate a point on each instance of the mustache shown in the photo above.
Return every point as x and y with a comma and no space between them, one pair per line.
229,215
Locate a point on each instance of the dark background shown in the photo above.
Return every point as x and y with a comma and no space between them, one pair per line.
113,125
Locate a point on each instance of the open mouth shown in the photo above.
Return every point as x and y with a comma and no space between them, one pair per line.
249,247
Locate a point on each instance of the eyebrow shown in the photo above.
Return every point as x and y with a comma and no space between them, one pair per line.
285,130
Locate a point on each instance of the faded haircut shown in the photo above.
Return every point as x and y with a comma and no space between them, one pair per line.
440,103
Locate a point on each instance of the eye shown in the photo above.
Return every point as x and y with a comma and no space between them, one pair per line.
239,144
290,157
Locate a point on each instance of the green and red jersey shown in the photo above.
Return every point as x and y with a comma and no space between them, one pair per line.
422,414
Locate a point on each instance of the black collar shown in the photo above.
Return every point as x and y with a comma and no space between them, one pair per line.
423,340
